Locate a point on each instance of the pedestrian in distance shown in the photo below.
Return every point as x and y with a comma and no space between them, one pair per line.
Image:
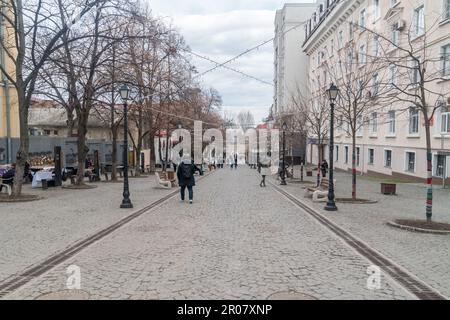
264,171
235,161
324,168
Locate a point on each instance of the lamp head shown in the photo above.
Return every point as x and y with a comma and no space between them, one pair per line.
124,92
333,92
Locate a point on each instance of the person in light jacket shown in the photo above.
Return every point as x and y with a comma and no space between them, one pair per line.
264,171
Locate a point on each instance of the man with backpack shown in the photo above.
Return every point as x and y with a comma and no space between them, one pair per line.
185,175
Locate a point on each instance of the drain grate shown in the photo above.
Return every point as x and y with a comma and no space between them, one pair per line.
290,295
65,295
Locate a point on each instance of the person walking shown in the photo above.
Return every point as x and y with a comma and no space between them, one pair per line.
324,168
264,171
235,161
185,175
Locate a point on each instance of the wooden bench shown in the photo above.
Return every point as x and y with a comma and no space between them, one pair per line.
162,182
6,183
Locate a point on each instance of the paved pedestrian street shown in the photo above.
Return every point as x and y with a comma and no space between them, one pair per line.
237,241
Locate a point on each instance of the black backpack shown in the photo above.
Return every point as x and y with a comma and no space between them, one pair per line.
186,171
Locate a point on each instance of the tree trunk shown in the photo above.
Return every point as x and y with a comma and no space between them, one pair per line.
70,124
354,166
166,158
429,181
22,153
320,154
115,132
138,158
82,148
152,152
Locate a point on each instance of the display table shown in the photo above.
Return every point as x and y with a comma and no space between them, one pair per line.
39,176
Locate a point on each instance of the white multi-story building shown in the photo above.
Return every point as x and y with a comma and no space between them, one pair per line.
290,64
390,140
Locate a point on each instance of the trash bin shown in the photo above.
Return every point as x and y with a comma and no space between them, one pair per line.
389,189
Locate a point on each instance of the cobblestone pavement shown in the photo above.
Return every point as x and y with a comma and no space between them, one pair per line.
31,231
237,241
425,255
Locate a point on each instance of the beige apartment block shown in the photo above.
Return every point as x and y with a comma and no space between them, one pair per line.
364,35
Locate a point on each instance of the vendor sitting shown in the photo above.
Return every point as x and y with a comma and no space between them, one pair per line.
8,176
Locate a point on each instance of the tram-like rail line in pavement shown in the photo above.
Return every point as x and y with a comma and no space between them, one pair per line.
409,282
12,283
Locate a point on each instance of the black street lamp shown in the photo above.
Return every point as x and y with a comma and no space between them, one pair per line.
333,92
126,202
283,173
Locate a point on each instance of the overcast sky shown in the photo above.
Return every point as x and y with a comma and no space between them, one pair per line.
222,29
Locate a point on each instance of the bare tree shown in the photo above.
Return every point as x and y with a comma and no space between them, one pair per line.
314,114
415,70
358,74
33,33
246,120
80,60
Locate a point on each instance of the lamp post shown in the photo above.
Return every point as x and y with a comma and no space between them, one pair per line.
332,95
283,173
126,202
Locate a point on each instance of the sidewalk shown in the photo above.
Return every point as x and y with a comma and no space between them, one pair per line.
425,255
31,231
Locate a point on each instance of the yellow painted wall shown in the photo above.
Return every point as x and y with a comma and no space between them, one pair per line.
8,35
14,113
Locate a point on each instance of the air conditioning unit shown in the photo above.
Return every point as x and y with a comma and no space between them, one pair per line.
401,25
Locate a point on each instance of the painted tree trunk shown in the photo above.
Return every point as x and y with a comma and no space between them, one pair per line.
429,181
354,167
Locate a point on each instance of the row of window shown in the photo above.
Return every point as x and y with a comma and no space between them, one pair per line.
418,27
410,160
391,122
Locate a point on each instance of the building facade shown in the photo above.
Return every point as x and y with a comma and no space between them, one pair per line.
9,108
366,37
290,66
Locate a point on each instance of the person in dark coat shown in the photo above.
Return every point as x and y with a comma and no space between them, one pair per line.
235,161
8,176
324,168
185,175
